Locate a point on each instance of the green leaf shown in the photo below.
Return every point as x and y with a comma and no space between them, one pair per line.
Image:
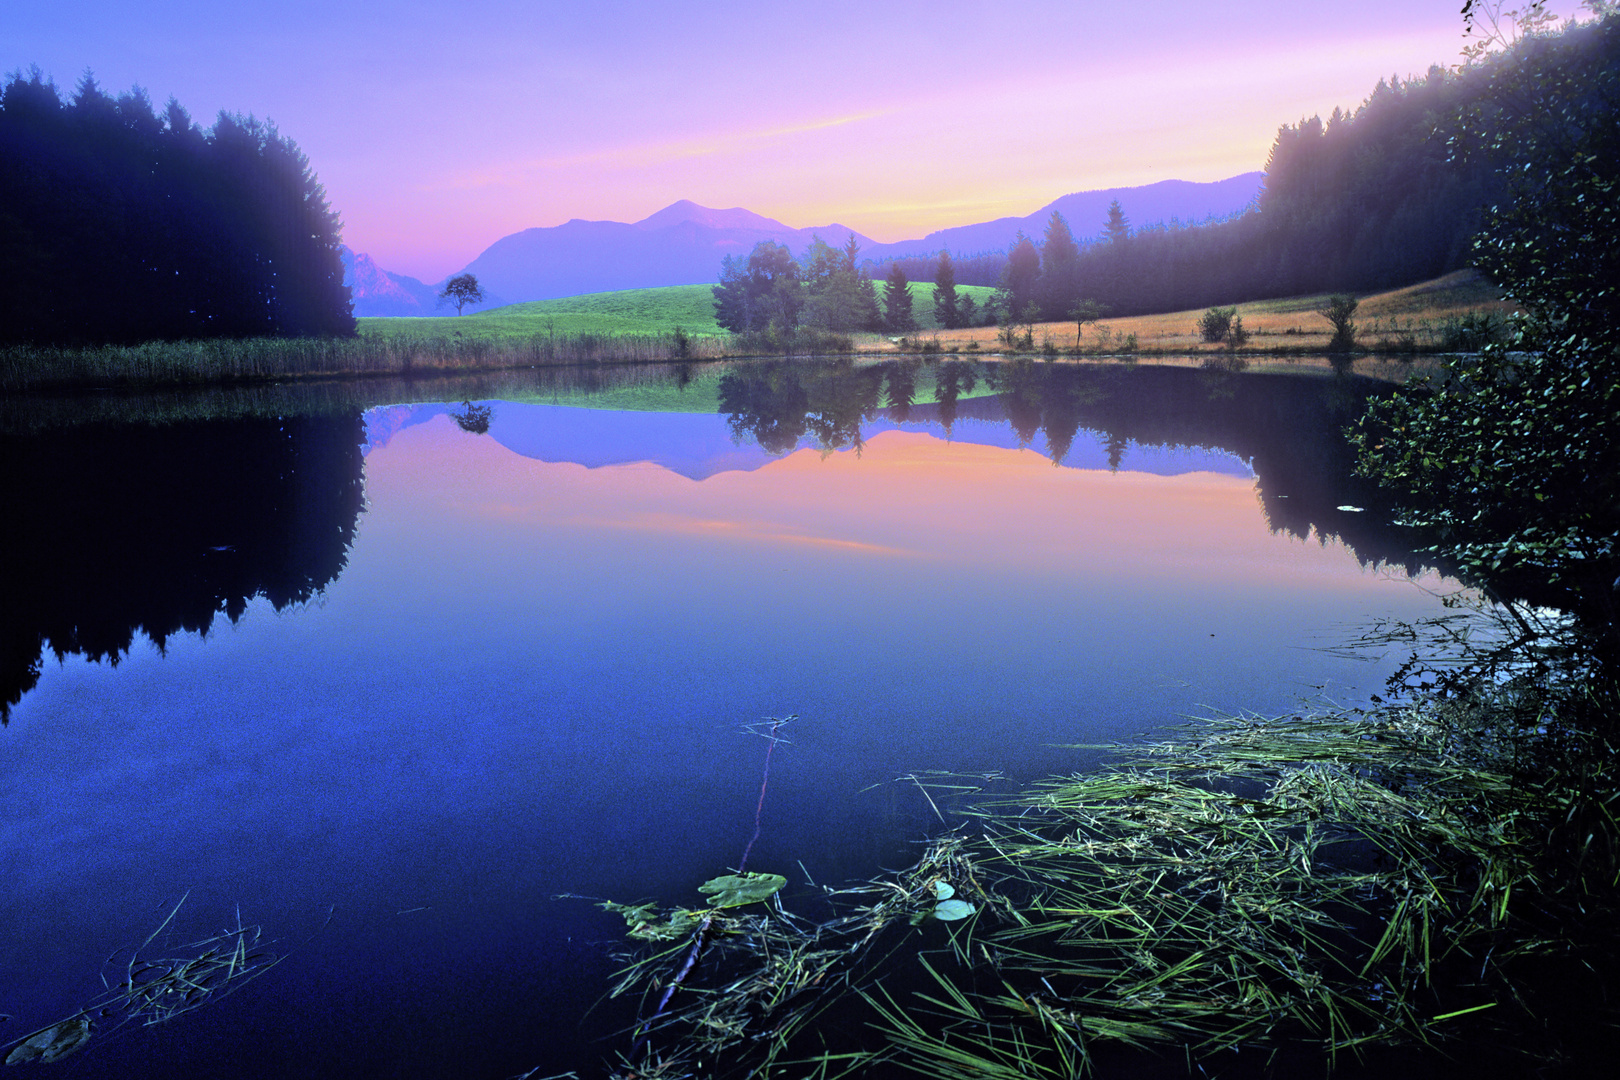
951,910
734,890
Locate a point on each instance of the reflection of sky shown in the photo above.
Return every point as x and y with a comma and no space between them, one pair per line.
529,681
698,445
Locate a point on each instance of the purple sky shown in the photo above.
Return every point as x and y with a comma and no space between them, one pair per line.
437,128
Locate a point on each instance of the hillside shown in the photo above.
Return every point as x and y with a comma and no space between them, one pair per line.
626,311
683,244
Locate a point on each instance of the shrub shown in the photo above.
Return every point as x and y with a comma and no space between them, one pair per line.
1216,323
1341,306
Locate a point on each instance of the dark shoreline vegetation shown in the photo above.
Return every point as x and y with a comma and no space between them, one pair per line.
225,362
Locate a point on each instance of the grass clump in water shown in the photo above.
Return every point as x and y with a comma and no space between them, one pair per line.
1433,880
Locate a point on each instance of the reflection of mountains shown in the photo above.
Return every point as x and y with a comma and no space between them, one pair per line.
116,529
699,445
1285,430
1289,428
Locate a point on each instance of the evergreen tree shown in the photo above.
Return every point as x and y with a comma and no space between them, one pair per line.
118,225
945,307
1117,229
838,295
967,311
1059,285
897,316
1015,294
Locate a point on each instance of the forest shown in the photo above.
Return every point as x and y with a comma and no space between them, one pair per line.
121,225
1390,194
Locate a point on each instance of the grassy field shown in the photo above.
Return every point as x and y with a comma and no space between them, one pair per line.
677,323
632,311
1414,318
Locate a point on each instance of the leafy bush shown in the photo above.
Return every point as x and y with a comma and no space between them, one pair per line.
1216,324
1340,308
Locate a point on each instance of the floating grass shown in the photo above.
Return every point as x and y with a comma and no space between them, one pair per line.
1314,885
151,989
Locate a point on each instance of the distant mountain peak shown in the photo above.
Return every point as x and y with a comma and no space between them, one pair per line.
679,213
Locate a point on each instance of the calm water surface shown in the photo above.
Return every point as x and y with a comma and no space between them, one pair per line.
470,672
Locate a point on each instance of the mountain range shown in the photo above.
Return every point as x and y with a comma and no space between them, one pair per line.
683,244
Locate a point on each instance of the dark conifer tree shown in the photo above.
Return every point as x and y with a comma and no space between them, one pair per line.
945,304
118,225
897,315
1016,290
1059,286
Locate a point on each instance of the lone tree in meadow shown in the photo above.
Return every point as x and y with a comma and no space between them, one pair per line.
461,290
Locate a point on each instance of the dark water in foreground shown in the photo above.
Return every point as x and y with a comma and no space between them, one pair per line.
389,687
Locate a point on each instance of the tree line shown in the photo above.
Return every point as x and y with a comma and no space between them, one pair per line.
1371,199
119,224
827,289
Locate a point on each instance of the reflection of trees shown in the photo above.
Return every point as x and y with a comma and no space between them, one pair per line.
114,529
474,418
1288,427
777,404
952,379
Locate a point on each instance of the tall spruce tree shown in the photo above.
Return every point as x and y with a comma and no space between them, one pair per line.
1117,228
897,316
945,307
1016,294
1059,285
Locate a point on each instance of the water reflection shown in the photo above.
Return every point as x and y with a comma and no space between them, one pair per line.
119,529
1288,428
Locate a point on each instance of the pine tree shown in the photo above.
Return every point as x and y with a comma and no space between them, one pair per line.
945,310
1059,285
897,315
1117,228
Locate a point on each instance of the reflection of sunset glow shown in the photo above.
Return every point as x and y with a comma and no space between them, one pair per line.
981,509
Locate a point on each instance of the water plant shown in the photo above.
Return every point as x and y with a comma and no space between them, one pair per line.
156,989
1296,889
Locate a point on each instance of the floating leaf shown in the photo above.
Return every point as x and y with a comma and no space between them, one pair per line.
53,1043
951,910
1351,509
944,890
734,890
643,921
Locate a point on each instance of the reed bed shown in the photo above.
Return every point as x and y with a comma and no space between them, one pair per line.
179,363
1247,892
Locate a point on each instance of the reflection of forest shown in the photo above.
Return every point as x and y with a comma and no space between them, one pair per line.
114,529
1290,428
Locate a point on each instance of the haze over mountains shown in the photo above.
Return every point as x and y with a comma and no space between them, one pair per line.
683,244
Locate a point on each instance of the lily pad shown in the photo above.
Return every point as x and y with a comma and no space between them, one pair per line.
944,890
734,890
951,910
53,1043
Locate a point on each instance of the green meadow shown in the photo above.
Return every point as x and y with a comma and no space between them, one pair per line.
630,311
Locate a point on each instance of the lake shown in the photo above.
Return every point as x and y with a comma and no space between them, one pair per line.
410,685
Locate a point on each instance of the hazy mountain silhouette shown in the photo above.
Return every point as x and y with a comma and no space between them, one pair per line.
683,244
378,292
1085,211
